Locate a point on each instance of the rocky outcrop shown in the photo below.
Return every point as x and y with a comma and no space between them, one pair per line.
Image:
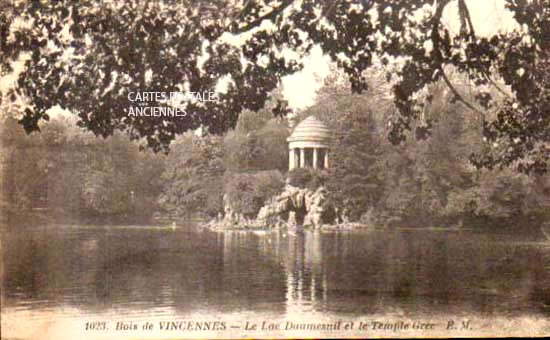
295,206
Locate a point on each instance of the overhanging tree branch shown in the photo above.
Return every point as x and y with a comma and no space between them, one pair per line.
465,13
439,58
457,94
269,16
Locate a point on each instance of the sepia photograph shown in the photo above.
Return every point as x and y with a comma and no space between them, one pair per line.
236,169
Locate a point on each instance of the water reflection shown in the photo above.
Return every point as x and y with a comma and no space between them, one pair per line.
306,282
183,272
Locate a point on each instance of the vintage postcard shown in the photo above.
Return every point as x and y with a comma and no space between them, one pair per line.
180,169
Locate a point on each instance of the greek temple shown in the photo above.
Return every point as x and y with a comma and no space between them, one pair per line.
309,145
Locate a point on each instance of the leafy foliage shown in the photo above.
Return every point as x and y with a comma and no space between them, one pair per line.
248,192
192,179
306,178
86,57
69,174
264,149
427,181
199,168
353,177
113,48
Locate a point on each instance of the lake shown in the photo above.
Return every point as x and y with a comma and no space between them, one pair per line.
77,280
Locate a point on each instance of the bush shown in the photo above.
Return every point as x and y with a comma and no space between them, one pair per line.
264,149
247,192
306,178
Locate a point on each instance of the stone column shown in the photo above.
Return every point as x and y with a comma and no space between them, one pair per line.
326,159
314,158
302,158
291,164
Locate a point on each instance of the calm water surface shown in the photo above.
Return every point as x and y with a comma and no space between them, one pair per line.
133,272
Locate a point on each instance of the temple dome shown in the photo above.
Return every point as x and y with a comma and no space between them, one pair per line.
310,129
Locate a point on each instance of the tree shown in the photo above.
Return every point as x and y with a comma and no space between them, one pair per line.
115,179
264,149
115,48
66,173
354,177
118,47
192,180
247,193
258,141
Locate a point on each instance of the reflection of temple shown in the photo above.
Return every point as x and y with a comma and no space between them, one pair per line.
306,277
292,265
308,145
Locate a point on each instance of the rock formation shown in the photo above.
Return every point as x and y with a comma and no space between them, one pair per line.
303,207
293,208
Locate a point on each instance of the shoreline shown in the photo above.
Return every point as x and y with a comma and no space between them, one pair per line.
536,234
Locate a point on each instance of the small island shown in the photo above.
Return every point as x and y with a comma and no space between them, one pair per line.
299,204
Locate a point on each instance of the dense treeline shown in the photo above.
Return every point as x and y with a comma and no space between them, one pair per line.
65,174
429,180
246,164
